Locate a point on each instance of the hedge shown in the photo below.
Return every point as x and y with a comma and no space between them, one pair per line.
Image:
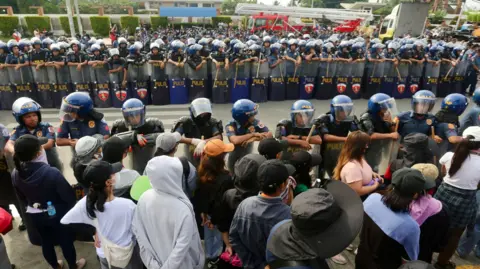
158,21
40,22
224,19
8,24
100,25
473,16
130,23
191,24
66,26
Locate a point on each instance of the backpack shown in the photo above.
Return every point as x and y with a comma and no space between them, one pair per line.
186,173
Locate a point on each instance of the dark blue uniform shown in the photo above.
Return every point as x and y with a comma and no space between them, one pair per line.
472,118
410,123
16,59
80,128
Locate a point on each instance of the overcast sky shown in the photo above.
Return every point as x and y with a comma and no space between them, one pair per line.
270,2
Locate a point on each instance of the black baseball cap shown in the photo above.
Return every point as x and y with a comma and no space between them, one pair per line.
271,174
98,172
113,149
269,148
408,181
305,159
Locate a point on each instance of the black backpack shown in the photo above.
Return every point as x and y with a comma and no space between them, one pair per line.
186,173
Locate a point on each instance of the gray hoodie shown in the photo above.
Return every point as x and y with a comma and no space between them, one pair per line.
164,222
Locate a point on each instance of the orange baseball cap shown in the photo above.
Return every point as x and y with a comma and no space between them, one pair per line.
216,147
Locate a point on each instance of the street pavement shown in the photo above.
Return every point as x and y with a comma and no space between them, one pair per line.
27,256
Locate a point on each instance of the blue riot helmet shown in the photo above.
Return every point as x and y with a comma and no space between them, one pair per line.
302,44
25,105
233,42
55,47
341,108
3,47
275,48
267,39
154,45
423,102
243,110
46,43
255,38
91,41
455,103
328,47
357,48
177,45
383,106
377,48
95,47
238,48
406,51
36,41
476,96
310,45
256,48
292,42
201,110
133,111
418,45
132,49
203,42
214,45
74,43
11,44
318,46
190,41
301,114
192,50
75,104
433,51
394,46
342,46
457,50
250,43
284,41
220,46
306,36
23,43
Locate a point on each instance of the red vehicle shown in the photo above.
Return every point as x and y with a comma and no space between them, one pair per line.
262,22
348,26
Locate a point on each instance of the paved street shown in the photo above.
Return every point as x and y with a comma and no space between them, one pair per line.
26,256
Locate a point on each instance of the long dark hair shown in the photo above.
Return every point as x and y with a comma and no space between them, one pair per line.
26,150
396,202
96,198
353,149
210,167
461,154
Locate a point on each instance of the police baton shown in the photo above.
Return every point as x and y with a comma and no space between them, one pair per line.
310,133
393,142
258,67
448,73
215,81
398,72
236,71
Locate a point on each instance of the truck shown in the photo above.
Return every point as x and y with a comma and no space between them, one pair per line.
405,19
261,22
348,26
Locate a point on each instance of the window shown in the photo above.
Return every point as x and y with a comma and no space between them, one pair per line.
179,4
193,5
260,22
250,23
207,5
384,28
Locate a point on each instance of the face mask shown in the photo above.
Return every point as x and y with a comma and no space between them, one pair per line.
42,158
98,156
291,184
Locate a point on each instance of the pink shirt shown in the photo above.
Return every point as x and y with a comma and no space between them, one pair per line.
354,171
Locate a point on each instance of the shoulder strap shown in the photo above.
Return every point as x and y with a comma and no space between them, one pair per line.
277,264
186,172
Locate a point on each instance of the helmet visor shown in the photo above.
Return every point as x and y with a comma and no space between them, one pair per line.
422,105
343,112
68,112
134,117
201,106
388,109
302,118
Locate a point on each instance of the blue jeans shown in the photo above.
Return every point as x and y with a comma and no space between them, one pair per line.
471,236
213,242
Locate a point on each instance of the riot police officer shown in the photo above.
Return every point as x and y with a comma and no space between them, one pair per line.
79,119
343,54
453,105
377,120
292,54
199,125
3,53
122,47
97,57
297,129
195,60
418,53
16,58
38,55
155,56
76,57
117,64
473,116
29,117
138,132
219,57
419,120
244,129
334,127
267,41
177,57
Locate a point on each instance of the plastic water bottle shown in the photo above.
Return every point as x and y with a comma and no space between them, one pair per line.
51,209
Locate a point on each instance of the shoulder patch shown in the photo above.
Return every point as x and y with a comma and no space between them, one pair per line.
91,124
260,124
230,128
429,121
39,133
13,132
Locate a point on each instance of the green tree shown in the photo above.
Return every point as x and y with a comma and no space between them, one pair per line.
308,3
228,6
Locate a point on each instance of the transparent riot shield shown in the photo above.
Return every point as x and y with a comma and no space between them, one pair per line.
277,81
220,87
101,86
80,79
159,84
401,91
177,84
445,79
342,75
260,73
22,88
7,91
326,88
374,79
459,74
307,79
44,88
356,77
138,82
330,153
196,82
240,80
432,72
389,80
381,153
292,83
118,88
415,76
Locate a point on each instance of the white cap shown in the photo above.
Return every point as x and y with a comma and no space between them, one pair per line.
168,141
472,131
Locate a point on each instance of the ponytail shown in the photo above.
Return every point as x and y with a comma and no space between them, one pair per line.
96,199
461,154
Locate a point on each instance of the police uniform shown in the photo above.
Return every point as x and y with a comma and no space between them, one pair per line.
123,51
368,124
409,123
285,128
16,59
233,128
38,56
151,126
472,118
176,57
43,130
3,58
266,51
99,57
446,130
194,61
80,128
155,57
77,57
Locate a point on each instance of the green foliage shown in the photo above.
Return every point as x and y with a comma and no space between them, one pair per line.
473,17
100,25
40,22
228,6
130,23
308,3
224,19
190,25
66,26
383,11
158,21
8,24
437,17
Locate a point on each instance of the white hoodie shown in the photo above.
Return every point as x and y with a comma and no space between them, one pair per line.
164,222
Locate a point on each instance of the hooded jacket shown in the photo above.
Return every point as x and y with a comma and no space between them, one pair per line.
164,222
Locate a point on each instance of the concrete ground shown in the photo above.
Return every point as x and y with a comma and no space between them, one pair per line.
27,256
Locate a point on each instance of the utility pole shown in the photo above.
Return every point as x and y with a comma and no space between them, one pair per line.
70,17
79,21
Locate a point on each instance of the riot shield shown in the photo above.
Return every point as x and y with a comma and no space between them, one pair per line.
432,71
356,76
118,89
445,78
176,84
330,154
260,73
459,75
326,88
22,88
435,150
277,82
159,85
292,84
140,156
59,80
7,90
44,87
196,82
401,91
101,87
380,154
374,79
390,78
220,87
80,79
415,76
240,81
307,79
138,82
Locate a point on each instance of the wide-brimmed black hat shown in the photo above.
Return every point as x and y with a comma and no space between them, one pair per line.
324,222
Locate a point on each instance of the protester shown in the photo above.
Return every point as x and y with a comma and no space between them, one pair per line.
303,162
214,180
48,197
458,190
270,148
256,215
114,151
111,216
471,237
87,150
389,234
324,222
164,222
